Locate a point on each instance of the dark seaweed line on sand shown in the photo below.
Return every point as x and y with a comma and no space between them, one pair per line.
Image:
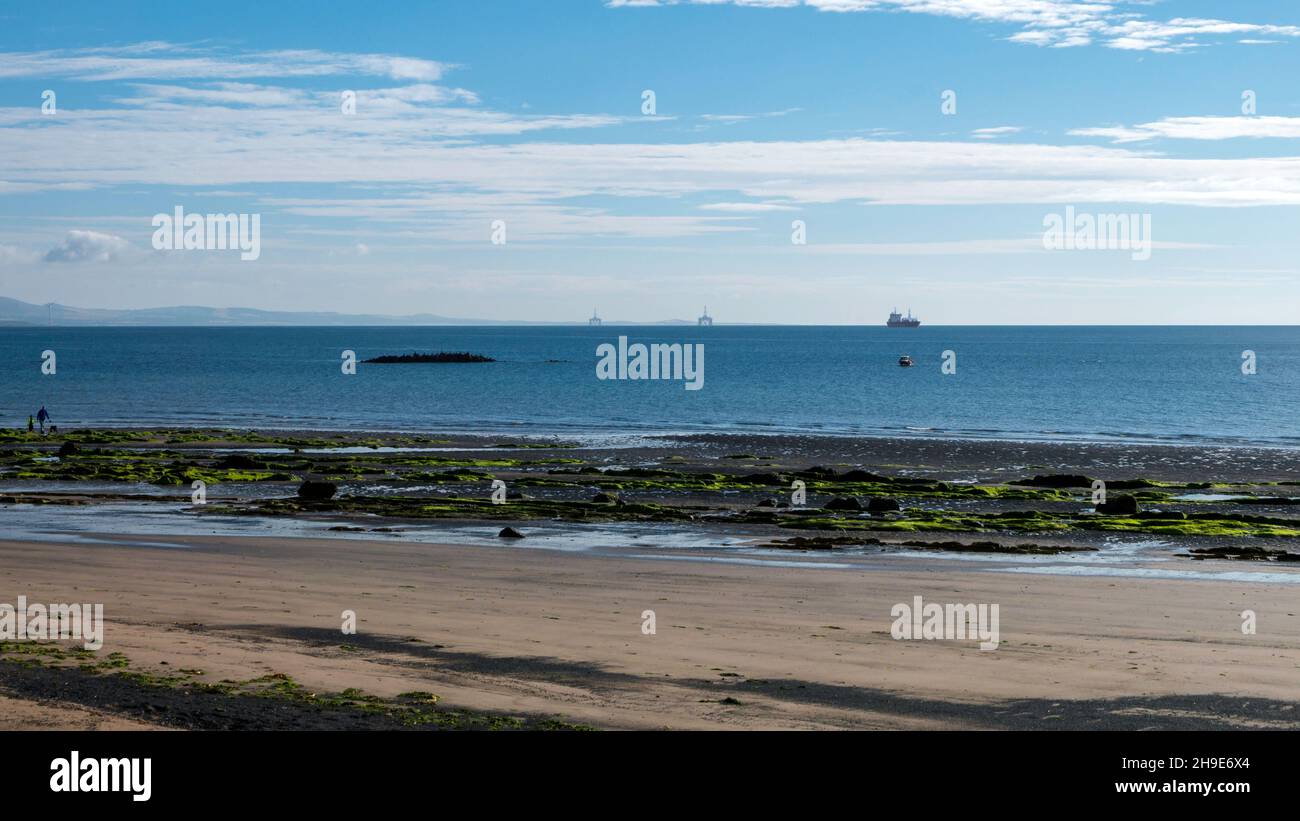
209,709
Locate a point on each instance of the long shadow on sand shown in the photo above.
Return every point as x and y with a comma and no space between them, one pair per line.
1168,712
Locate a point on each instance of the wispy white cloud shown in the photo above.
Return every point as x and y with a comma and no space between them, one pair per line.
378,118
11,187
1198,128
466,217
159,60
739,118
1053,23
995,132
246,94
747,207
973,247
216,147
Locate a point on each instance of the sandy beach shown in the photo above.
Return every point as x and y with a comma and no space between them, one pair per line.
545,633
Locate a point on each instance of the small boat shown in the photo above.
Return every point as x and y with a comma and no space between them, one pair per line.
905,361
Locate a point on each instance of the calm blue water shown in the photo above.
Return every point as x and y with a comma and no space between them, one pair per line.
1152,383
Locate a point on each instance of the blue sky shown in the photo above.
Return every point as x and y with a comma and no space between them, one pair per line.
827,112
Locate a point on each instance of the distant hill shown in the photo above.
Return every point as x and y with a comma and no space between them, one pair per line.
16,313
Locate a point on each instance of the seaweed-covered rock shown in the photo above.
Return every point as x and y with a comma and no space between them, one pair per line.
510,533
767,502
844,503
644,473
1055,480
604,499
816,472
239,461
882,504
861,476
1119,506
68,449
1130,484
316,491
1247,553
761,479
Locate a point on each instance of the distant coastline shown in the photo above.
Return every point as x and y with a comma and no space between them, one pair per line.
16,313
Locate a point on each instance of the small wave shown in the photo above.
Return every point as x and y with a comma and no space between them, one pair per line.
1157,573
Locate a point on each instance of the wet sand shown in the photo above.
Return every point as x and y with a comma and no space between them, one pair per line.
996,459
552,634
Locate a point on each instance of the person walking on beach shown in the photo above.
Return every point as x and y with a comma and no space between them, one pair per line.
42,416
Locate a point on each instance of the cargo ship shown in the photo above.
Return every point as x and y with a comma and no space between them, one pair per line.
897,320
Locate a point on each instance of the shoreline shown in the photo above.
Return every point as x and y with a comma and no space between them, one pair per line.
622,440
540,433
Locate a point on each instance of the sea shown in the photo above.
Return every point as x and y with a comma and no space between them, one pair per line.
1160,384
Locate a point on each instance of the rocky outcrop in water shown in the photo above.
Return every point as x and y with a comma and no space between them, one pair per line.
441,357
844,503
1058,480
316,491
1119,506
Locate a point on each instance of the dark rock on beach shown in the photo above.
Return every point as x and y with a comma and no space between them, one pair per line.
844,503
645,473
1119,506
1056,480
1130,484
315,491
816,472
881,504
861,476
510,533
68,449
1023,548
604,499
951,546
1248,553
761,479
